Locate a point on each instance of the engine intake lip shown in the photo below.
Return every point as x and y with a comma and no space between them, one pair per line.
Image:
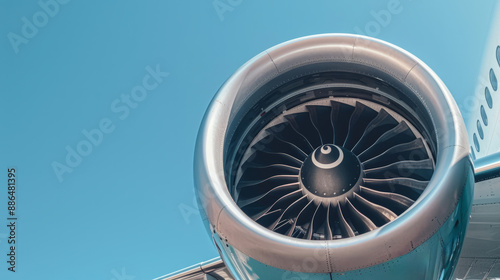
424,92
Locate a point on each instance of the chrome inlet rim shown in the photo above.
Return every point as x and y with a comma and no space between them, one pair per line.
425,94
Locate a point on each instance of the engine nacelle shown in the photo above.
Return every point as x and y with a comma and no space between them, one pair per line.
335,156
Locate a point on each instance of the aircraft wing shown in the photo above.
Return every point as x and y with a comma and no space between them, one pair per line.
213,269
480,257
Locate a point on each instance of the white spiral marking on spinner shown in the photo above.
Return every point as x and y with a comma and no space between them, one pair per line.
326,150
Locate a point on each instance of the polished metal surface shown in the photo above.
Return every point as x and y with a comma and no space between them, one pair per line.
438,206
487,168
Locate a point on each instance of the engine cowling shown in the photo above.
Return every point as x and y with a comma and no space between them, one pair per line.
336,156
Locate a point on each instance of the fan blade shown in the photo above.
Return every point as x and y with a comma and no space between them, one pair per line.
275,180
313,226
259,158
414,150
341,113
268,218
267,197
378,126
328,227
377,213
302,217
280,204
416,169
398,135
289,214
361,222
272,144
405,186
248,189
302,122
285,132
262,172
345,228
395,202
320,117
361,117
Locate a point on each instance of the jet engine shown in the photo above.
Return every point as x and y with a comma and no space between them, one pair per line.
335,156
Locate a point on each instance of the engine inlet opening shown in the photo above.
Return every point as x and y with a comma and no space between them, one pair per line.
329,162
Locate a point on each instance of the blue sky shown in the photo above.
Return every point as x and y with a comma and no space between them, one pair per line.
125,84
